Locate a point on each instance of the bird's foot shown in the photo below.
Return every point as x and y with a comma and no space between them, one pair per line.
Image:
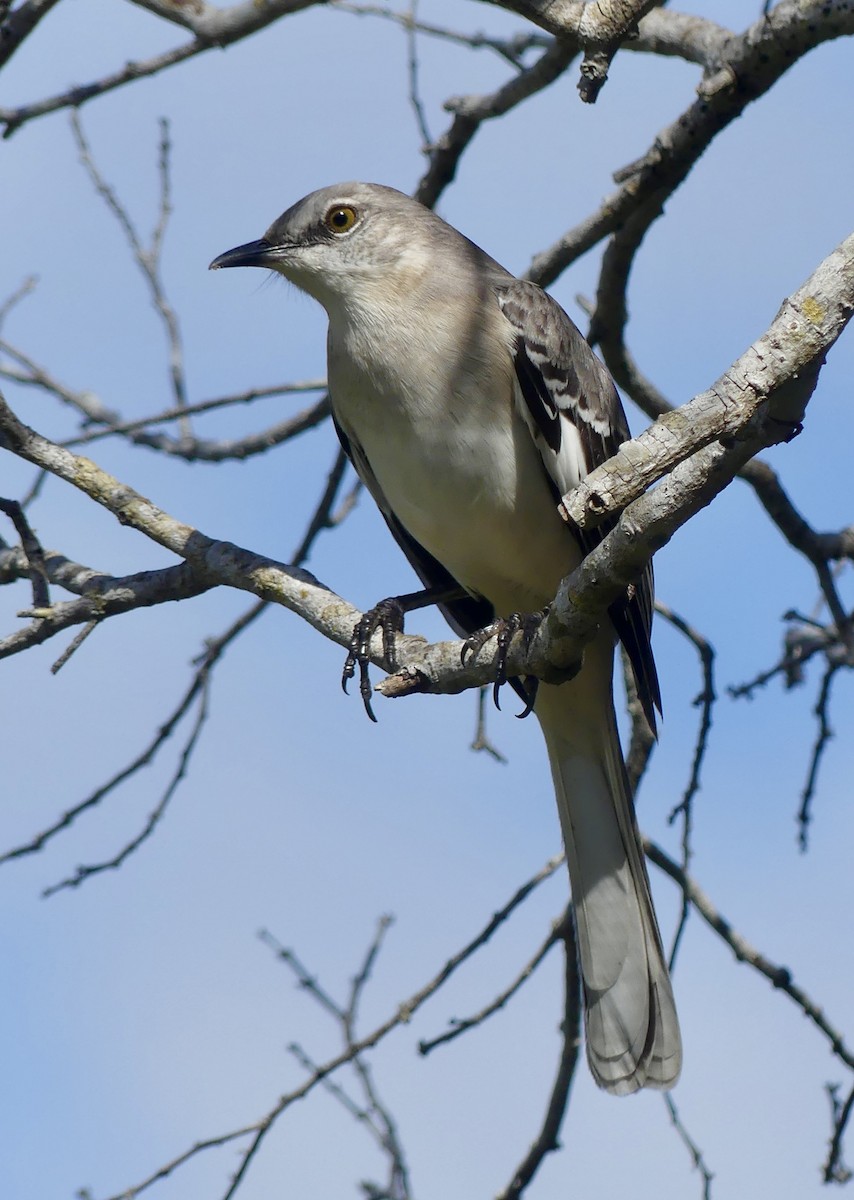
503,630
387,617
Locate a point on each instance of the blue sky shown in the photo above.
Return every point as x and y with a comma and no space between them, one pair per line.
142,1011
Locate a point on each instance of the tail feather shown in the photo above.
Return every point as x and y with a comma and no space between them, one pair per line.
632,1031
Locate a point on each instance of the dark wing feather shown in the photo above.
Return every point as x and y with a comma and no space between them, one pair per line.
466,615
570,404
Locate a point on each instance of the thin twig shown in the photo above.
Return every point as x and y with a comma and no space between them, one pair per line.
74,645
470,112
693,1149
398,1187
95,412
481,740
197,691
203,406
331,1086
415,100
835,1170
500,917
87,871
26,288
403,1014
323,516
374,1113
546,1140
36,567
823,736
213,652
642,741
147,259
459,1027
74,97
705,700
511,49
780,977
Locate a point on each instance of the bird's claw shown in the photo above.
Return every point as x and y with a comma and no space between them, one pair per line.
387,617
503,630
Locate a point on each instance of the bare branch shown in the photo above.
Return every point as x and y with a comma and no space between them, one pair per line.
214,28
206,449
19,24
642,741
73,646
375,1115
481,741
75,97
547,1138
835,1170
818,548
691,1146
779,977
74,577
823,736
87,871
759,397
495,922
602,26
258,1130
86,403
31,548
705,701
25,288
801,643
459,1027
104,596
164,733
415,100
778,371
748,67
147,259
681,35
512,49
471,111
190,449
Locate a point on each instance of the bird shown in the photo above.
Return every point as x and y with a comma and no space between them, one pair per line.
469,402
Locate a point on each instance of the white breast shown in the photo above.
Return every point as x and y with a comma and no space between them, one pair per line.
453,458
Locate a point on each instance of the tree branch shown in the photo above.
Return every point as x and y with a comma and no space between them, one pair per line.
748,67
780,977
779,371
758,399
547,1138
19,24
471,111
459,1027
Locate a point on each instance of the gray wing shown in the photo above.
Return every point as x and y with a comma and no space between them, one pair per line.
571,407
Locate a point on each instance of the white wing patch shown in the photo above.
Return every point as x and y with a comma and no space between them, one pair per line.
567,465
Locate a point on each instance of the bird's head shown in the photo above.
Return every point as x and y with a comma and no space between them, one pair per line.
337,240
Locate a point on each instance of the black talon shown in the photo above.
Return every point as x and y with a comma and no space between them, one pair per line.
473,644
387,617
503,631
531,686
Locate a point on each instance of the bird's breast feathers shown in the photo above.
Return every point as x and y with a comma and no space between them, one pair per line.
469,488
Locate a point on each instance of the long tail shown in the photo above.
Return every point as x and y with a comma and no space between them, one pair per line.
632,1031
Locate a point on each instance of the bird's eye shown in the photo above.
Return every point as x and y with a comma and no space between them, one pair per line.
340,219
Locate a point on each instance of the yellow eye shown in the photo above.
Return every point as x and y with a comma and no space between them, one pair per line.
340,218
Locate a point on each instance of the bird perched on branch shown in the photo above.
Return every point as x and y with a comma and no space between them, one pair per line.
469,403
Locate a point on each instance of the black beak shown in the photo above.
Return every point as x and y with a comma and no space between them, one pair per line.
253,254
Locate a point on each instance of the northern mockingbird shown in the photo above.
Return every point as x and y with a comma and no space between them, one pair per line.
469,403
